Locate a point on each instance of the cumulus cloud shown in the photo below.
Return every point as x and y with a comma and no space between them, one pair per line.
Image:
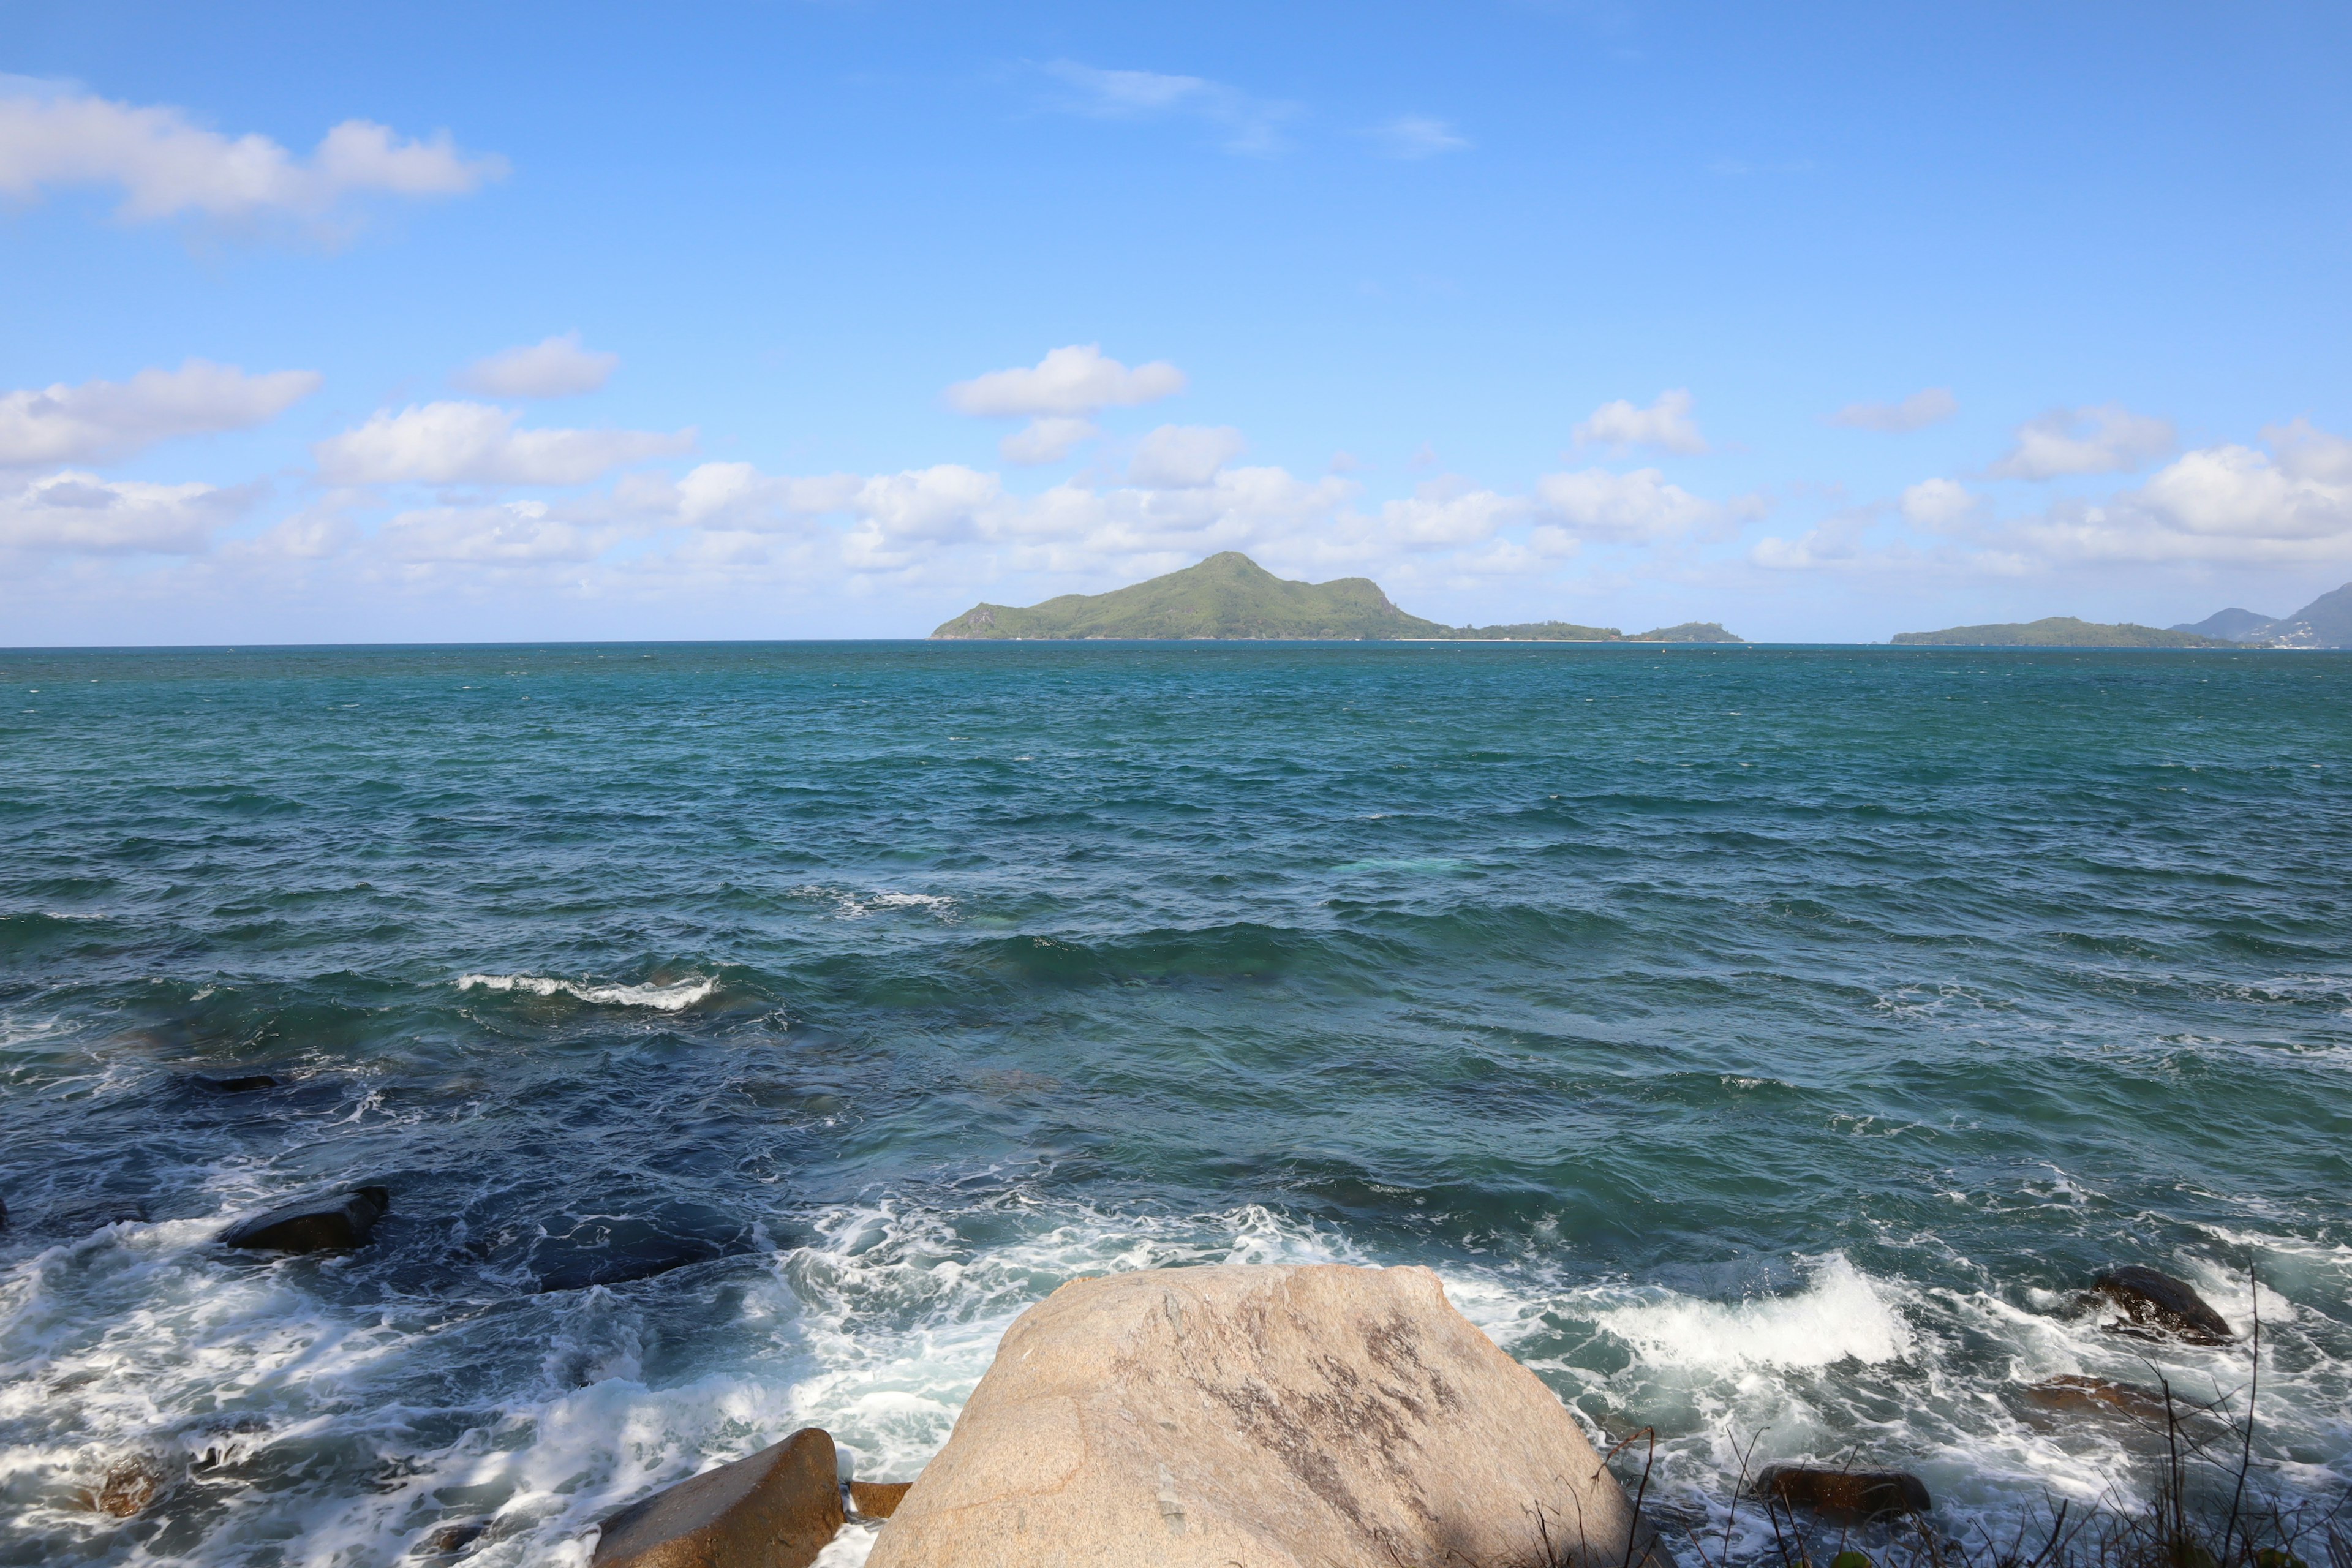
1629,507
1936,504
1246,125
2107,439
477,443
552,367
2227,503
166,166
511,533
1178,456
1060,394
80,514
1417,136
1046,440
1448,514
1077,380
102,420
1931,406
1666,425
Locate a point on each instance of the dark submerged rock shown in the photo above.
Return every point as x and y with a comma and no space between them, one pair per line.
778,1508
244,1084
876,1500
334,1223
2156,1304
1844,1494
607,1250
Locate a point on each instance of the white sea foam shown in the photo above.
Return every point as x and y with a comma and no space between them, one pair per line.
669,999
1840,1314
856,906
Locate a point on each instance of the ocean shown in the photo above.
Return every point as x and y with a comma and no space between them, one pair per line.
1765,1045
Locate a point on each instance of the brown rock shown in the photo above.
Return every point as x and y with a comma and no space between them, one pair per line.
775,1510
131,1485
878,1499
1844,1494
451,1539
2156,1304
2095,1395
1260,1418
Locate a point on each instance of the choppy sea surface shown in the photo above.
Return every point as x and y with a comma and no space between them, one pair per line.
1764,1045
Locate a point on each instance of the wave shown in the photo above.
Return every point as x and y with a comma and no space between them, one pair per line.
670,998
1841,1314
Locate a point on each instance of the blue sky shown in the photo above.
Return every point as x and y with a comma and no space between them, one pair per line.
1825,321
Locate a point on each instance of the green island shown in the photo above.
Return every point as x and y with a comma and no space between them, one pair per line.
2058,631
1230,597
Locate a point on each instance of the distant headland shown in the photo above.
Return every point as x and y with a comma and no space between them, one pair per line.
2326,622
1230,597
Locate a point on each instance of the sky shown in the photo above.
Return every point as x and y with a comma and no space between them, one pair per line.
831,318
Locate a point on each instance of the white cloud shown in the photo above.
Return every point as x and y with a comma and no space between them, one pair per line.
737,495
80,514
1179,457
101,420
1416,136
1931,406
1633,508
1248,125
1076,381
2107,439
1938,503
167,166
1448,514
1046,440
1666,425
1061,393
512,533
552,367
475,443
2311,454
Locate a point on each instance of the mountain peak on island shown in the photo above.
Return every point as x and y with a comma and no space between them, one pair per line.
1230,597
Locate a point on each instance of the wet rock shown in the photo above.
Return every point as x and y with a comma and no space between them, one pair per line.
1260,1416
334,1223
131,1485
777,1509
2074,1396
2156,1304
451,1539
244,1084
876,1500
604,1250
3,1214
1844,1494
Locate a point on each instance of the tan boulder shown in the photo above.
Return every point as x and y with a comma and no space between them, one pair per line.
775,1510
1260,1418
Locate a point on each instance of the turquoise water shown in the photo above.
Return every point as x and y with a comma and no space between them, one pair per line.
1763,1044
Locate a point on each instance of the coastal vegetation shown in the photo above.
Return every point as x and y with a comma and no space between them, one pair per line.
1230,597
2057,631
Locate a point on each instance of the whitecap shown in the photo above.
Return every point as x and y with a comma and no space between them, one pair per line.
670,998
1841,1314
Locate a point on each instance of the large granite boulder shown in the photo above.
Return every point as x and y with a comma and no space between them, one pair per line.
776,1509
334,1224
1260,1418
2156,1304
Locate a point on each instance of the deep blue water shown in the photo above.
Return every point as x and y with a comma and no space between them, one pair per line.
1764,1044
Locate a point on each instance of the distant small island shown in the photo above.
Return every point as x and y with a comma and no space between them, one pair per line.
1230,597
2057,631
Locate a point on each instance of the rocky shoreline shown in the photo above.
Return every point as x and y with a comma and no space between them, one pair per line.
1236,1414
